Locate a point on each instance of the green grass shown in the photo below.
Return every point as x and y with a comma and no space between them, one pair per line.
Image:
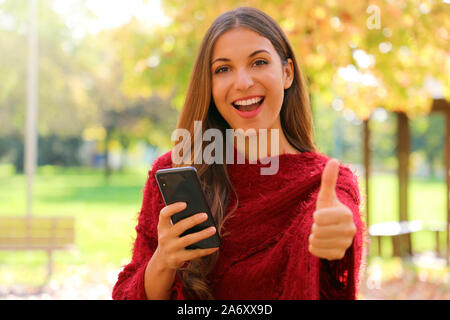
426,199
426,202
106,215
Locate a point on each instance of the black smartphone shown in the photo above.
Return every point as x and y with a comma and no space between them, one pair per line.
183,185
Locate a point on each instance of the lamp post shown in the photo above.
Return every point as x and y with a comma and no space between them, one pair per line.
31,140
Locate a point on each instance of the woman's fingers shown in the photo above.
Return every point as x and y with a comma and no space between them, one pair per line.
329,254
185,224
172,247
326,243
192,238
169,211
335,215
332,231
188,255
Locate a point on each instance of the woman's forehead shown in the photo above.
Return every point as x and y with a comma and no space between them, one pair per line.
235,42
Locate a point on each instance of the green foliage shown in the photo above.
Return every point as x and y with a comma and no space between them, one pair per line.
52,149
59,151
383,143
428,138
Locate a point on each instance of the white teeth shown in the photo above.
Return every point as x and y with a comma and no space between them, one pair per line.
248,102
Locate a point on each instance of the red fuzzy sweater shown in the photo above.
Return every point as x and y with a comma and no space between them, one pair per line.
264,254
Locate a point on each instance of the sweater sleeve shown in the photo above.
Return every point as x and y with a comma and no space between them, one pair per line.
130,283
339,279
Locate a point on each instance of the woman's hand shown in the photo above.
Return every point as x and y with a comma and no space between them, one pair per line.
171,252
333,228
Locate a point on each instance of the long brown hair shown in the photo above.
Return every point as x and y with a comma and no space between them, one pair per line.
295,115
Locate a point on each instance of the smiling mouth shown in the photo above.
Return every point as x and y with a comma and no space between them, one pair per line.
250,107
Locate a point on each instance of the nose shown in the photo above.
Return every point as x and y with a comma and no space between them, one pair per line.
243,80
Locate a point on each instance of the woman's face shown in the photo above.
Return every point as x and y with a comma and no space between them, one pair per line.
245,69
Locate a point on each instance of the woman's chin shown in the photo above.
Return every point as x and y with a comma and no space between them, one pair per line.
247,130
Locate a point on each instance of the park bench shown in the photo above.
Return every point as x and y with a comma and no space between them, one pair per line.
37,233
395,230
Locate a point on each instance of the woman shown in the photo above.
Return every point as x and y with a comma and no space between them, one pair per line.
293,234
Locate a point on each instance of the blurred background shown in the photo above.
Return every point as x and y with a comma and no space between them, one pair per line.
90,94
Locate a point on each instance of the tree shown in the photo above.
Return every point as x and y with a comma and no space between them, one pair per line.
123,117
61,82
369,55
80,82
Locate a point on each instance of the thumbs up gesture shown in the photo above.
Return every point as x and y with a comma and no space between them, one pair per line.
333,228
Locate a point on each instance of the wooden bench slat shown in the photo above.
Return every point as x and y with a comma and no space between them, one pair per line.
394,228
36,239
32,232
24,232
13,247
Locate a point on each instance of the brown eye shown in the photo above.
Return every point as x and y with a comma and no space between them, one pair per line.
263,62
218,70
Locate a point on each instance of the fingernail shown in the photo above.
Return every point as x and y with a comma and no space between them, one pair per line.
212,230
202,216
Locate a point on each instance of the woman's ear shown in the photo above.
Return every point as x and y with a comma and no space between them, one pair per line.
288,74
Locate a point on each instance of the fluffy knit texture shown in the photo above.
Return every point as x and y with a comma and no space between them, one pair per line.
264,254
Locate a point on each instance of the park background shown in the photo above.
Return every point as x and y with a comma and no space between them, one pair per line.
112,78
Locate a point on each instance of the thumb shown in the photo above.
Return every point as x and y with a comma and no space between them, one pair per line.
327,194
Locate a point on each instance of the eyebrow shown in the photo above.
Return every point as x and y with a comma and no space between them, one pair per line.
251,55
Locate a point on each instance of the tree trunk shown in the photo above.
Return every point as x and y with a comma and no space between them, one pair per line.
107,168
403,149
124,143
